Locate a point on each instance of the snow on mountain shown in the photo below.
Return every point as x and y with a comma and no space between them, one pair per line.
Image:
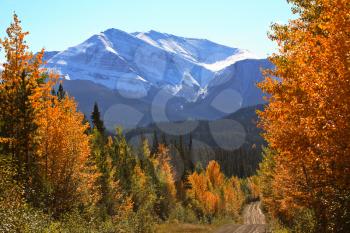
197,50
138,61
239,56
212,56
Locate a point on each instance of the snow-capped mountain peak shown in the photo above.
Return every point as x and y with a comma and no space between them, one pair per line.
141,60
212,56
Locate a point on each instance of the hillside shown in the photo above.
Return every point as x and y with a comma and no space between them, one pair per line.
234,141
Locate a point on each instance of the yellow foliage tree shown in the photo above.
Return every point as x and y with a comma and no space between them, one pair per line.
214,175
253,188
233,197
164,170
144,197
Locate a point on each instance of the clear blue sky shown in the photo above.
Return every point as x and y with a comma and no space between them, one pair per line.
59,24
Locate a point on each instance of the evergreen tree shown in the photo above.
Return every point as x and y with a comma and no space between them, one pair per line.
185,154
164,141
97,122
123,160
147,162
190,144
181,148
53,92
190,154
61,93
155,145
109,187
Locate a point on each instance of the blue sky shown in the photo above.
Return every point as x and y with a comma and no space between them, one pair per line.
56,25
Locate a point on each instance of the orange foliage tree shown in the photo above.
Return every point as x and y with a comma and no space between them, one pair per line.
64,152
42,133
212,194
20,94
307,121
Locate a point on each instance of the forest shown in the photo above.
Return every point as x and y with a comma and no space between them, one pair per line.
201,146
61,171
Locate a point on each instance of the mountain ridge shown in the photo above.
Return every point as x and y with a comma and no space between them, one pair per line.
157,77
120,60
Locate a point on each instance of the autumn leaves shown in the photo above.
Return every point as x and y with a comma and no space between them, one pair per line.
64,167
49,154
307,120
213,195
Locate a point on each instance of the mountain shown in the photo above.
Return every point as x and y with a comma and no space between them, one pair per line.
143,77
136,62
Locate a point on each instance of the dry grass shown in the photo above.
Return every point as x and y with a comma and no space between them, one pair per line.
184,228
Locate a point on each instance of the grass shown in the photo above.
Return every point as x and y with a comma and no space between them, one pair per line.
184,228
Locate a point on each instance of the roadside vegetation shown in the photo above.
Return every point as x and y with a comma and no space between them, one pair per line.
305,173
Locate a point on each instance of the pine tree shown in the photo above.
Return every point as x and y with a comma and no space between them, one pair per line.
61,94
97,122
164,141
190,144
155,144
109,188
123,160
186,154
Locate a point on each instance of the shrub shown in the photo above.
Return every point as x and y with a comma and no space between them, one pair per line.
183,214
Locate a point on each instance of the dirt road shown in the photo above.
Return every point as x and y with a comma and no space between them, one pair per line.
254,221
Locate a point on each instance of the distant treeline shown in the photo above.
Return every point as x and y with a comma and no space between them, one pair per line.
199,147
